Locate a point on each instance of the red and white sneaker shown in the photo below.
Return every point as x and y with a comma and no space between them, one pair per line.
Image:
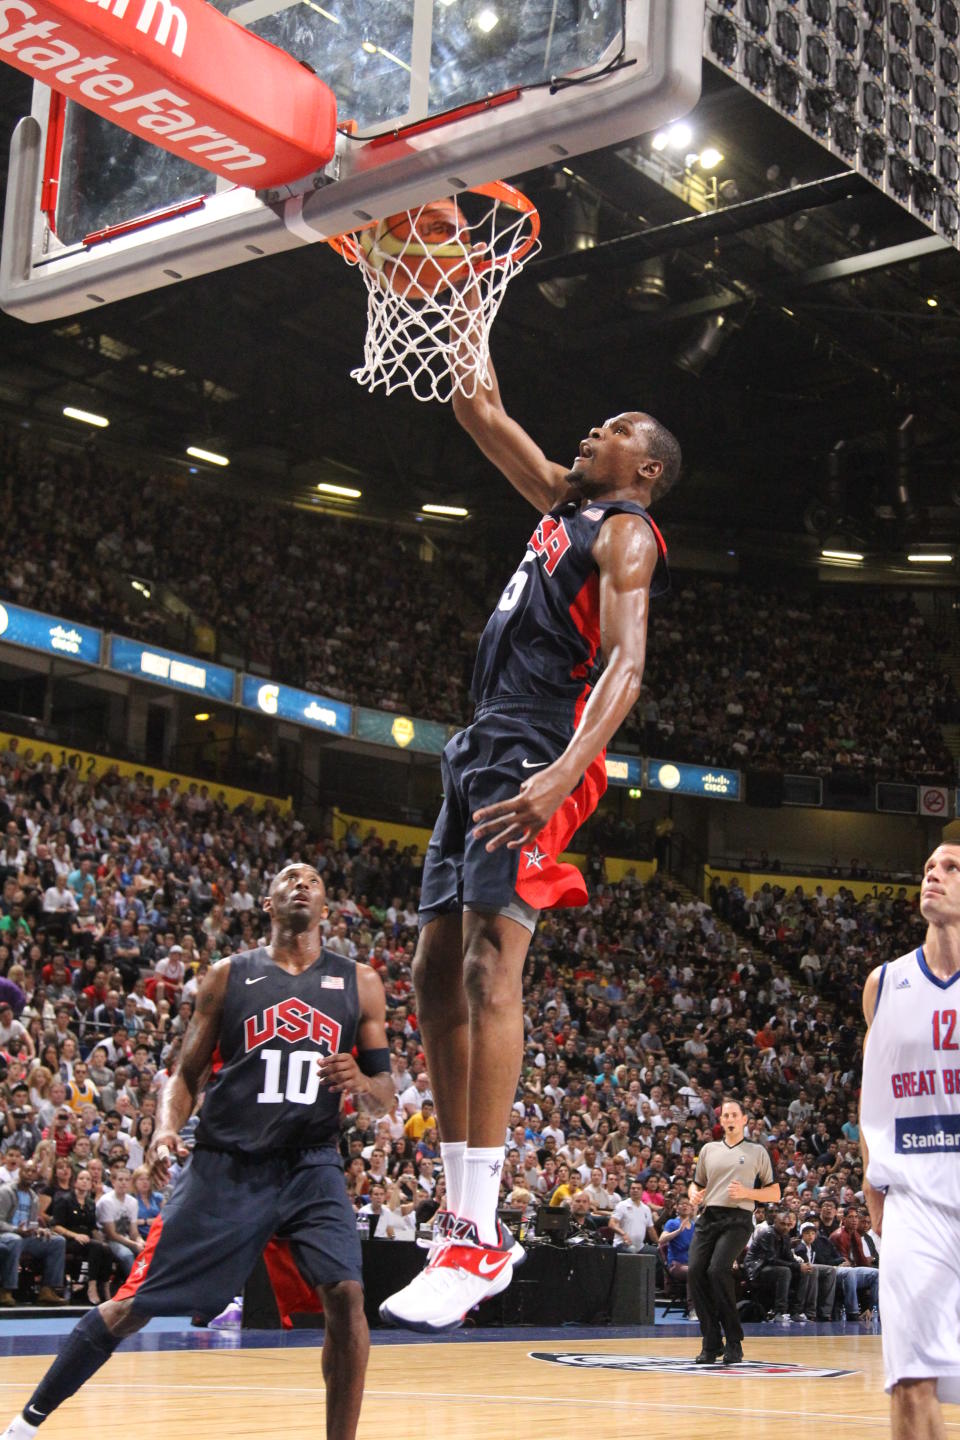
448,1226
459,1275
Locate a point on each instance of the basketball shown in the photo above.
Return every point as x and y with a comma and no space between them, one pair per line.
419,253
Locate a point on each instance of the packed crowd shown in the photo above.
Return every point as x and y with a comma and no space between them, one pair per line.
640,1012
793,681
736,676
346,610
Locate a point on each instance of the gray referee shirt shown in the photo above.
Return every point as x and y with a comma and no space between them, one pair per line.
719,1163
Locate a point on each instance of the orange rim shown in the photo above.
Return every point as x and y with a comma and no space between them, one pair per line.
347,246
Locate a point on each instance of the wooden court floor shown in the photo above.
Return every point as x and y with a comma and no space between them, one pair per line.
459,1391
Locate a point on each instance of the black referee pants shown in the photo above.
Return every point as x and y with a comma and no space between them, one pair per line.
721,1233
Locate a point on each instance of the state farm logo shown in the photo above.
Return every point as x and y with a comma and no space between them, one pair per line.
64,61
170,18
684,1365
293,1021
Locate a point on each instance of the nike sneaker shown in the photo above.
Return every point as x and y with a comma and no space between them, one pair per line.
458,1276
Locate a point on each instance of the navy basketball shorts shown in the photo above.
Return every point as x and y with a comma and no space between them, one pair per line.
507,743
224,1209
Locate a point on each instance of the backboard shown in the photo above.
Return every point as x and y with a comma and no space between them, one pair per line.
433,96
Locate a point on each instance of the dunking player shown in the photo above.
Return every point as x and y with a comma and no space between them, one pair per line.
517,783
910,1137
285,1018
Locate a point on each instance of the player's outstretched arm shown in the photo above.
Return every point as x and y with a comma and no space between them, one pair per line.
626,556
501,439
370,1079
193,1066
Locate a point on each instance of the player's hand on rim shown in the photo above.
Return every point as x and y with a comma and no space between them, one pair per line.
514,821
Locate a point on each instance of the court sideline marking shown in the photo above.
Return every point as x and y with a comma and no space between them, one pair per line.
487,1399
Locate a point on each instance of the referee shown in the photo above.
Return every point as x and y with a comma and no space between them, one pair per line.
731,1174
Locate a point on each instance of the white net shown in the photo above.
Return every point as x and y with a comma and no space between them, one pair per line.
435,279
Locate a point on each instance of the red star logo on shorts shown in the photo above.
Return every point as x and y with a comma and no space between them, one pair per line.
535,857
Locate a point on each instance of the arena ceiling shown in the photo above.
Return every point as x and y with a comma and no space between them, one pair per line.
815,350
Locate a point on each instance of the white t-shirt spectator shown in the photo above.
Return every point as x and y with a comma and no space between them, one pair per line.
635,1219
414,1096
122,1213
55,899
402,1227
13,1031
172,968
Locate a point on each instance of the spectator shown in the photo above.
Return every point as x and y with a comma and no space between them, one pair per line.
676,1238
632,1223
13,1035
118,1218
775,1271
149,1200
73,1216
22,1233
585,1227
815,1250
859,1263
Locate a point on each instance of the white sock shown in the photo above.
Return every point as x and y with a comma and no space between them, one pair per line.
451,1153
481,1189
19,1429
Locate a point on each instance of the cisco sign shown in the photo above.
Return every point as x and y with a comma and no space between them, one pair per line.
680,779
45,632
299,706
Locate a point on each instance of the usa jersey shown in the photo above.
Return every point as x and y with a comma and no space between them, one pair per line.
267,1095
543,639
910,1111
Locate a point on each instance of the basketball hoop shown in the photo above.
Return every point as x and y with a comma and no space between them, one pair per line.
421,334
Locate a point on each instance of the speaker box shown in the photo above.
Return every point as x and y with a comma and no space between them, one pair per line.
634,1283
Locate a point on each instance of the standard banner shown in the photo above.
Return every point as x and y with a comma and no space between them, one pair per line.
183,76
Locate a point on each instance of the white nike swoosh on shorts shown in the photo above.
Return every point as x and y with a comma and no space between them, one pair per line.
534,764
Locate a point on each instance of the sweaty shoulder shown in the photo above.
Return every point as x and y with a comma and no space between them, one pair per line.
369,984
627,544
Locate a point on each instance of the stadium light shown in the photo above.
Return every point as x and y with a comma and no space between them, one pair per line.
86,417
840,555
875,84
210,456
930,559
458,511
341,492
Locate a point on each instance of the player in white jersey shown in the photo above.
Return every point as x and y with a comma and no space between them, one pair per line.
910,1136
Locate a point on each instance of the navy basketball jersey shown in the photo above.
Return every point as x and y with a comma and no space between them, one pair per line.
275,1027
543,639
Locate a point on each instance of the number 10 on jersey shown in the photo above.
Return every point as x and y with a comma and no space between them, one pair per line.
302,1084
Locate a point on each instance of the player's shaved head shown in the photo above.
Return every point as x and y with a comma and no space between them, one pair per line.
283,876
662,446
